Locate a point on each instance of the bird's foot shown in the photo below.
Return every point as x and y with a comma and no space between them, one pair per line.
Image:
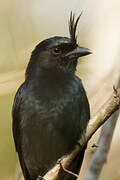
60,160
66,170
78,144
40,178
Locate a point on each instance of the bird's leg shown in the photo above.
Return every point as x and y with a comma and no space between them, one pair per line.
40,178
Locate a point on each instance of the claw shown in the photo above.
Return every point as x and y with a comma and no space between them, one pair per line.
40,178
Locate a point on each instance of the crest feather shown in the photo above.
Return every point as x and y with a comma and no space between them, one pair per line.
73,26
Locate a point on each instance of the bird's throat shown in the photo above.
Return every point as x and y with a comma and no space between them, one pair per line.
51,83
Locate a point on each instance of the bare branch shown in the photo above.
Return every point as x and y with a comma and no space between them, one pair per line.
103,114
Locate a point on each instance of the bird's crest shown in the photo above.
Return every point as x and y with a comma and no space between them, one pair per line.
72,27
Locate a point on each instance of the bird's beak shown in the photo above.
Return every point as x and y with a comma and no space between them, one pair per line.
78,52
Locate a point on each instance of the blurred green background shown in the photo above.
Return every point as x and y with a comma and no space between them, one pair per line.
25,23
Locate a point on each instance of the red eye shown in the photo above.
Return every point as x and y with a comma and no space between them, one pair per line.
57,50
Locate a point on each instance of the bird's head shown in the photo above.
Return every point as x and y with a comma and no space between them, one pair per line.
60,53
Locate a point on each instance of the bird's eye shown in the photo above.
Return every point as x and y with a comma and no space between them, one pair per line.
57,50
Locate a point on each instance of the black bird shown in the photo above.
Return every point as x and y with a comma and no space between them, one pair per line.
51,109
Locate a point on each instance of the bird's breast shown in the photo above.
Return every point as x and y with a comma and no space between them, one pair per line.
50,123
56,106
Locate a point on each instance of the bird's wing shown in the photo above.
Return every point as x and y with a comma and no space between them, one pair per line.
16,118
16,130
85,117
85,110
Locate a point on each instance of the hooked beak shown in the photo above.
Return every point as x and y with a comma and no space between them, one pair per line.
78,52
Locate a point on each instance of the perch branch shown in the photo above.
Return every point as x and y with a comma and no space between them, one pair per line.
104,142
103,114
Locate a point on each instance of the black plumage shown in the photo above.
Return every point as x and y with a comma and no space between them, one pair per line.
51,109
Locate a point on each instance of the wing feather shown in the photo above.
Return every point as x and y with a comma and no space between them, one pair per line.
16,130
